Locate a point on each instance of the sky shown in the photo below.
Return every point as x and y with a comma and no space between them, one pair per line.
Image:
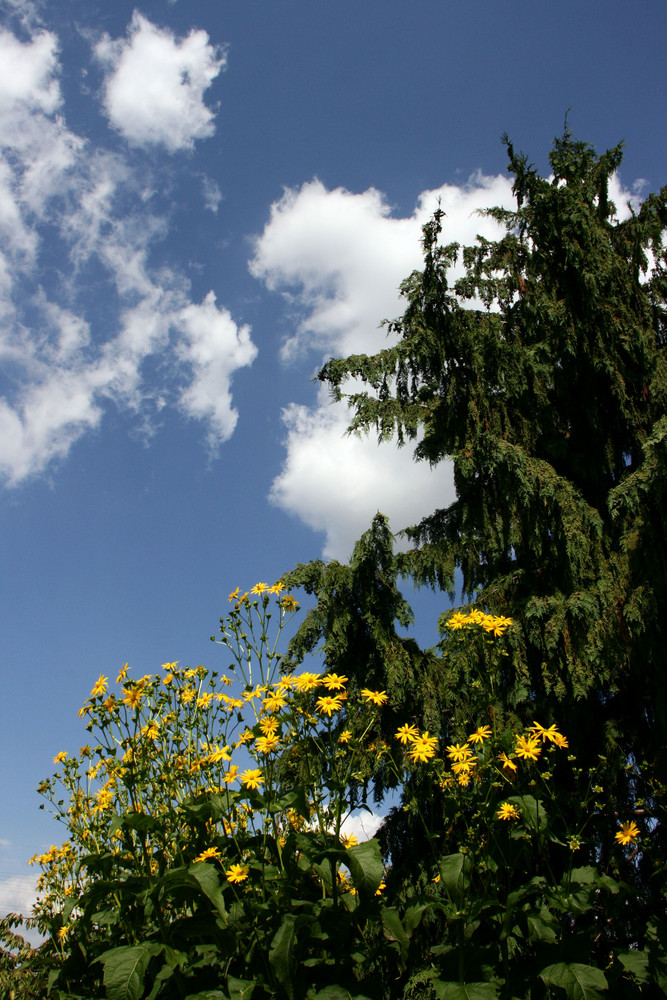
200,203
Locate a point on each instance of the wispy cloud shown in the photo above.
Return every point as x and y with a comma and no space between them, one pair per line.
76,221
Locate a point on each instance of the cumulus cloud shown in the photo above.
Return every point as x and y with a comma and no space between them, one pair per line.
339,258
214,346
155,84
83,211
336,483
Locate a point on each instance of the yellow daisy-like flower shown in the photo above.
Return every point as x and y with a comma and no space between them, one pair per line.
287,603
259,588
277,588
508,811
307,681
60,757
205,699
122,673
345,736
423,748
245,737
237,873
375,697
252,778
560,741
266,744
231,774
539,732
328,705
378,891
628,833
274,702
132,697
62,932
334,682
406,733
481,733
508,765
457,620
210,852
218,754
269,727
150,731
188,694
528,747
234,596
104,799
348,840
459,752
100,686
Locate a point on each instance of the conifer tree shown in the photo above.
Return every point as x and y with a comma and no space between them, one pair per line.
541,375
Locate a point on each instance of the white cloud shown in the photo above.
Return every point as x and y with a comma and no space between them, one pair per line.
73,210
214,346
339,259
337,483
155,84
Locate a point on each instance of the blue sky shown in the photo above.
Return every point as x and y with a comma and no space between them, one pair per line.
199,203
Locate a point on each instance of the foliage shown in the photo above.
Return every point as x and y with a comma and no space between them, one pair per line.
541,375
206,854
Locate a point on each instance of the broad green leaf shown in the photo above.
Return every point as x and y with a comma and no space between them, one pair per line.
635,963
393,928
124,970
454,871
240,989
365,864
532,811
580,982
542,926
207,995
281,953
464,991
337,993
207,878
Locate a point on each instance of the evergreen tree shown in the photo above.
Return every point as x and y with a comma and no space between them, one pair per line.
541,375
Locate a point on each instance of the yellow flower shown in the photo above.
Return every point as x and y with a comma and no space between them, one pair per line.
150,731
560,741
100,686
459,752
63,932
348,840
205,699
334,682
406,733
628,833
231,774
60,757
375,697
210,852
277,588
539,732
269,727
245,737
528,747
104,799
252,778
132,697
170,667
188,694
234,595
259,588
109,703
266,744
274,702
457,620
345,736
122,673
307,681
216,754
423,747
508,765
237,873
287,603
327,705
378,891
508,811
481,733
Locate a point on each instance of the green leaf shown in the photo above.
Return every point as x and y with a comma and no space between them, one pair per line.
454,873
365,864
240,989
207,878
580,982
337,993
635,963
207,995
464,991
124,970
281,953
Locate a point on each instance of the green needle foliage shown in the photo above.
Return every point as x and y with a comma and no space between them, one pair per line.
540,374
